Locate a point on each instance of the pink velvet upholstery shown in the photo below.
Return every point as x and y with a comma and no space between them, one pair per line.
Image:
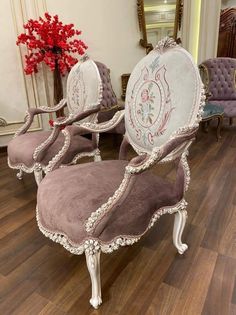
21,148
91,184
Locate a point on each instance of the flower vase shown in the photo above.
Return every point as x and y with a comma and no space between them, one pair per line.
58,89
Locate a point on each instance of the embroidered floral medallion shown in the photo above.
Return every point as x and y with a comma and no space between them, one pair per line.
150,105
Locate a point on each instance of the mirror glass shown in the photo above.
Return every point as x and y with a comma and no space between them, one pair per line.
159,19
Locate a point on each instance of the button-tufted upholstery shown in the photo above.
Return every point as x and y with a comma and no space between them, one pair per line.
220,80
108,96
109,100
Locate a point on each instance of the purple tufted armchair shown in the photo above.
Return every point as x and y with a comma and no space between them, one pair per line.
218,75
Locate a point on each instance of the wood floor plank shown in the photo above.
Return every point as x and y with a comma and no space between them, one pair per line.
233,300
51,309
222,216
164,300
192,298
33,305
181,265
219,297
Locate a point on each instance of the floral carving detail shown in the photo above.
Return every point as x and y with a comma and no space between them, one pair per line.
165,43
21,166
105,126
93,245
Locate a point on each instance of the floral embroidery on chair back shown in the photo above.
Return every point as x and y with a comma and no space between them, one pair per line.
163,94
84,88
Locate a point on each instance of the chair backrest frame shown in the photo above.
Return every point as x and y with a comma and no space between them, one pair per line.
84,88
159,103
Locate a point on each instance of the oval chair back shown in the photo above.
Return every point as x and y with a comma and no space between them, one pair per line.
164,95
84,88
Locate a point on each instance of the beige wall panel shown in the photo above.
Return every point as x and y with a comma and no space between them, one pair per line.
109,28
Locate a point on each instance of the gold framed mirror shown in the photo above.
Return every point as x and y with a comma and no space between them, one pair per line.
158,19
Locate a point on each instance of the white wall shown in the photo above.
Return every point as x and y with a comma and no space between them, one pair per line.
228,4
200,33
110,29
209,29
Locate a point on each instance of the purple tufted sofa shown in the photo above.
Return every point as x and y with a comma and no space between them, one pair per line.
109,100
219,78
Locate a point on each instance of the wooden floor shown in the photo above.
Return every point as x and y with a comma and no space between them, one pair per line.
149,278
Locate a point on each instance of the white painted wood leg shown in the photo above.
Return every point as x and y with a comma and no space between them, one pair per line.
38,174
97,156
179,224
19,175
93,264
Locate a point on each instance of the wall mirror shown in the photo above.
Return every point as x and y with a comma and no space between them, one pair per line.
157,19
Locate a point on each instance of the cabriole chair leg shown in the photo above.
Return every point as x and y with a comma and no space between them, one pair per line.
19,175
93,264
97,156
179,224
38,174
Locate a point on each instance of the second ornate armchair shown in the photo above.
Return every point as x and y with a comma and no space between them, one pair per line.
114,203
88,90
219,77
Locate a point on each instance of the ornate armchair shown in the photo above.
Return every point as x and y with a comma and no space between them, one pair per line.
218,75
114,203
88,87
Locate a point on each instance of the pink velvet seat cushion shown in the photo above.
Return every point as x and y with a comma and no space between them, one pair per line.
64,206
21,148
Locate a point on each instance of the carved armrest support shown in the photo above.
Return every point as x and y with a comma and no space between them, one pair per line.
145,161
104,126
76,117
83,128
136,166
41,150
31,112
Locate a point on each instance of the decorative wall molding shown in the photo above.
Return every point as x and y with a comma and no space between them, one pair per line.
209,29
3,122
35,87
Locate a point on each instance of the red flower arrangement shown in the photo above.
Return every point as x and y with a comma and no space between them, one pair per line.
51,41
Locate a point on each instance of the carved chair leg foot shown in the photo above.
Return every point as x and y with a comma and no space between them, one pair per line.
179,224
93,264
97,156
38,176
220,121
19,175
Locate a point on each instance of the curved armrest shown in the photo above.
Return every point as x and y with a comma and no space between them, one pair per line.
143,162
31,112
104,126
70,131
76,117
41,150
136,166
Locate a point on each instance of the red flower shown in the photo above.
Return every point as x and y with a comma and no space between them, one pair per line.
47,40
